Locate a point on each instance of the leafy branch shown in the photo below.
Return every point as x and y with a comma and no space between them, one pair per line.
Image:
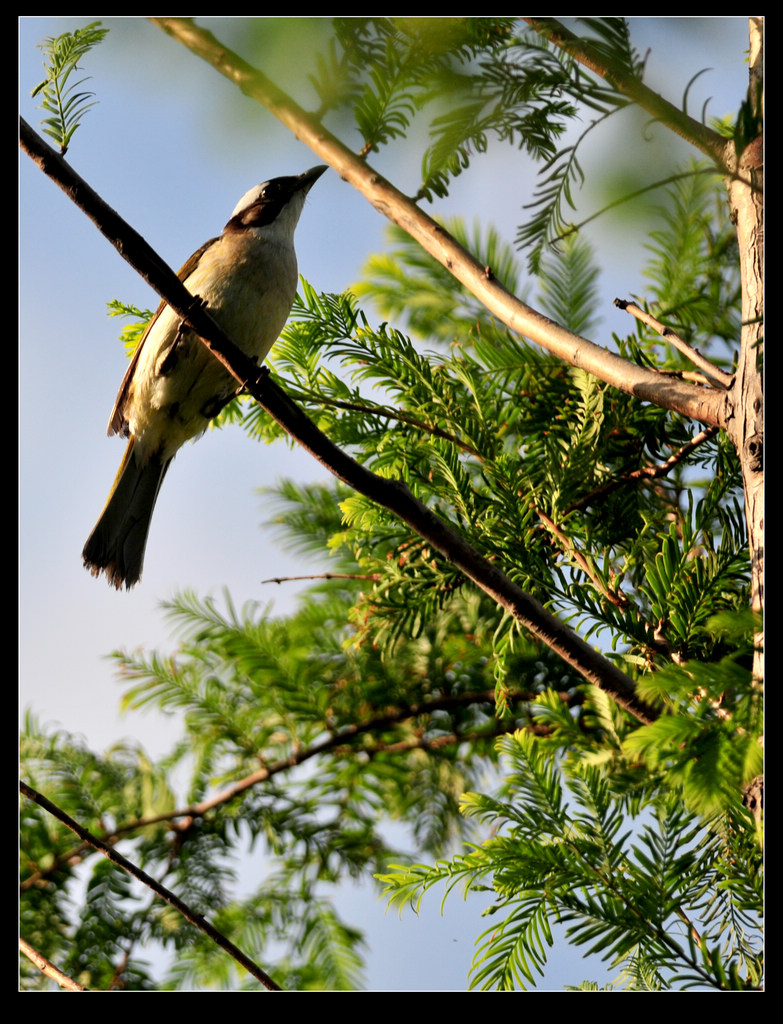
608,58
562,852
155,682
60,99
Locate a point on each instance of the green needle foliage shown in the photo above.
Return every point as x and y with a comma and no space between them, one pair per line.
642,884
398,691
61,100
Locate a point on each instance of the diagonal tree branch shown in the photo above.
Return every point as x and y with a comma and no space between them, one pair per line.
393,495
704,138
160,890
47,967
689,399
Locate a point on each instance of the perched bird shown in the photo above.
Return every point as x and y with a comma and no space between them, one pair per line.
174,386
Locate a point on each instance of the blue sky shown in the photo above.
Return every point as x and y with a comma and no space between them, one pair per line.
172,147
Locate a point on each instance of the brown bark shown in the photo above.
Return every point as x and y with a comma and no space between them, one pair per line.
745,411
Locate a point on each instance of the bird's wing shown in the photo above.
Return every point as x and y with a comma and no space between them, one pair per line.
118,421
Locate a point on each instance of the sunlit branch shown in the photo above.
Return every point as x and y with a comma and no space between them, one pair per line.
647,385
721,378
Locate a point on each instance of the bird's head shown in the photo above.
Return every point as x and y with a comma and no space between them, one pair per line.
278,201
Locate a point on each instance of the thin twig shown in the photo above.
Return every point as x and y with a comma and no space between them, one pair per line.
722,379
617,597
326,576
391,414
627,198
646,472
116,858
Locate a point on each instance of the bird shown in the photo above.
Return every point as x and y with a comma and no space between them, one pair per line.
174,386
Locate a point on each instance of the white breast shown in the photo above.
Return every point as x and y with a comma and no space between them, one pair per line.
249,282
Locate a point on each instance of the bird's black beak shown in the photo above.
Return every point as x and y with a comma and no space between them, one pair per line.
309,178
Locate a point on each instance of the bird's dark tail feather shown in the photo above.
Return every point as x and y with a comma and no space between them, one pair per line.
116,545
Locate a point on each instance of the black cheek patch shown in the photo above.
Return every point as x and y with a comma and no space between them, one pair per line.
256,216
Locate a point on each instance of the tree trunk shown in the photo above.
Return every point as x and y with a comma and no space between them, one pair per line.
745,416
